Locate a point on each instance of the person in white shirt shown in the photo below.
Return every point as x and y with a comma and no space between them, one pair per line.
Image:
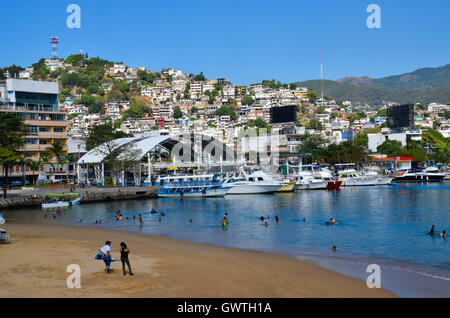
106,252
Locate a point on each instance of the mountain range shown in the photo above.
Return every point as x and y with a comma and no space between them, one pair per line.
423,86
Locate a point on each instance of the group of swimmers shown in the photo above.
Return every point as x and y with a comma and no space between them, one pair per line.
443,234
56,212
266,219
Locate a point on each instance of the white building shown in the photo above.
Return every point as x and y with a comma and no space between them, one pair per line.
376,140
119,68
53,64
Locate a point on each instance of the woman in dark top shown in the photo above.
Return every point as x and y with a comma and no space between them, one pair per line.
124,251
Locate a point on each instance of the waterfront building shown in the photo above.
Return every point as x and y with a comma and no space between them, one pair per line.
37,103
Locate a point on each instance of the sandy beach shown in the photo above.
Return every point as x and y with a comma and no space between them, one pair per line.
34,265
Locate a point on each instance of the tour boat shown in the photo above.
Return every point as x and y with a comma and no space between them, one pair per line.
62,203
191,186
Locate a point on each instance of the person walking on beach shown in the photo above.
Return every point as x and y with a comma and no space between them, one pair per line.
106,252
124,251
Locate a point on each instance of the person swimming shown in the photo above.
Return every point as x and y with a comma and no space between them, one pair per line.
261,218
276,218
266,223
443,234
333,248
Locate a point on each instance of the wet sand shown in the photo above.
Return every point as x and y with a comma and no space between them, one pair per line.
35,263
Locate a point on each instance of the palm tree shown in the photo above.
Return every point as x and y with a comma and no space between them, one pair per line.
34,166
44,159
57,151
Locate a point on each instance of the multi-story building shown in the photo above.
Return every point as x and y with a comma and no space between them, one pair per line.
37,103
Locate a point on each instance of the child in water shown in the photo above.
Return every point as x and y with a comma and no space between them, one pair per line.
224,222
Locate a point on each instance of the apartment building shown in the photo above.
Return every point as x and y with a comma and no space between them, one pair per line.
37,103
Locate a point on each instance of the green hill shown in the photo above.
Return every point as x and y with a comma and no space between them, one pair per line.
425,78
376,95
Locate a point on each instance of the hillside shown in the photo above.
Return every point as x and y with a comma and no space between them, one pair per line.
375,95
425,78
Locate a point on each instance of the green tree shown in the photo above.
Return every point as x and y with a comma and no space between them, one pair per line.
312,95
226,111
314,124
200,77
56,151
390,147
12,129
177,113
247,100
137,109
101,134
8,159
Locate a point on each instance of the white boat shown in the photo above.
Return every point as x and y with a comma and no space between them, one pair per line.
351,177
191,186
382,180
257,182
305,180
317,178
421,175
58,204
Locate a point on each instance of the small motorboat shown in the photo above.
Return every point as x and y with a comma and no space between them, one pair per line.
62,202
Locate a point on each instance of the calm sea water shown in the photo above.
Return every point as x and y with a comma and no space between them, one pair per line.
385,224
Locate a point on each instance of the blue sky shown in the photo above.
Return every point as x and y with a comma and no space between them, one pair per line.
245,41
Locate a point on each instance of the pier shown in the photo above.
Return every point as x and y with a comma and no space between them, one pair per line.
30,197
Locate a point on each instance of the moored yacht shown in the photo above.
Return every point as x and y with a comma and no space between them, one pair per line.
257,182
421,175
351,177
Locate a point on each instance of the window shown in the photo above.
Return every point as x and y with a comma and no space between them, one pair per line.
58,129
30,141
44,129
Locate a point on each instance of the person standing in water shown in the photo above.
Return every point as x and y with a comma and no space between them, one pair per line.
224,223
432,230
124,251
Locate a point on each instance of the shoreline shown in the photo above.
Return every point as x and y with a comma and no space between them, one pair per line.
164,267
29,198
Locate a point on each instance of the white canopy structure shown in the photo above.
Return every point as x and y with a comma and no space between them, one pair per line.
186,149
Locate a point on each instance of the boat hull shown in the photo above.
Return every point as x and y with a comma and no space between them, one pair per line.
359,182
420,178
61,204
198,194
384,181
334,185
322,185
253,189
288,187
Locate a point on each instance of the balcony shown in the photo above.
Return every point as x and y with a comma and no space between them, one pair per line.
47,123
